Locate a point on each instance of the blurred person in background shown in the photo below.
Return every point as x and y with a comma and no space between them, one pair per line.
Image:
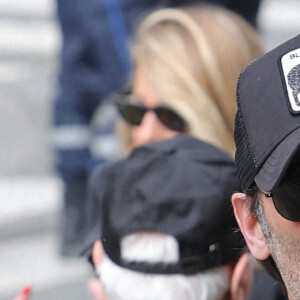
168,225
94,63
185,73
186,69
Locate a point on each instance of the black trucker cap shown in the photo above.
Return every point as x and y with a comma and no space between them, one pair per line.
181,187
267,124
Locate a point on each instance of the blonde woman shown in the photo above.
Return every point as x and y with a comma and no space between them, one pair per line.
187,63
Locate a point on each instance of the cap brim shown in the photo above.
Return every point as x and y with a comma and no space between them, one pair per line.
275,166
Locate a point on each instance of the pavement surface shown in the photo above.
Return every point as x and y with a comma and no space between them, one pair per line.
29,190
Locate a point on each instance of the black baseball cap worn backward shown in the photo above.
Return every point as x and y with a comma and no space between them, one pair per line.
267,123
180,187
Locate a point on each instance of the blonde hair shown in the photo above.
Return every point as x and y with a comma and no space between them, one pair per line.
192,58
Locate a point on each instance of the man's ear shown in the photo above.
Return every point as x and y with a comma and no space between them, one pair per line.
250,227
241,280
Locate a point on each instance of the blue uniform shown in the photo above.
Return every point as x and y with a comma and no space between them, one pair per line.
94,63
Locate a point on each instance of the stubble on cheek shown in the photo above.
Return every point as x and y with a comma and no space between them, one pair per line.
286,254
284,248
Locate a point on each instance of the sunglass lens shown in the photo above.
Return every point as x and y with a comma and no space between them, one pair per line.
170,119
287,201
131,113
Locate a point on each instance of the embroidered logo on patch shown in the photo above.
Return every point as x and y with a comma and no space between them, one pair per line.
290,63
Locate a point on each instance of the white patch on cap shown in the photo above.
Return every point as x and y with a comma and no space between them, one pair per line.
290,63
152,247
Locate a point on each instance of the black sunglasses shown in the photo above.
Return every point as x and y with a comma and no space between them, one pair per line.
133,114
286,199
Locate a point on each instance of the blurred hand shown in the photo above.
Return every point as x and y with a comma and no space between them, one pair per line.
24,294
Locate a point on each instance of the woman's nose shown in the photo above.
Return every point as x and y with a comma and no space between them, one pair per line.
148,131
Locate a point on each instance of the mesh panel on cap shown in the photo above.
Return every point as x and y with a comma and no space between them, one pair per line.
244,156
